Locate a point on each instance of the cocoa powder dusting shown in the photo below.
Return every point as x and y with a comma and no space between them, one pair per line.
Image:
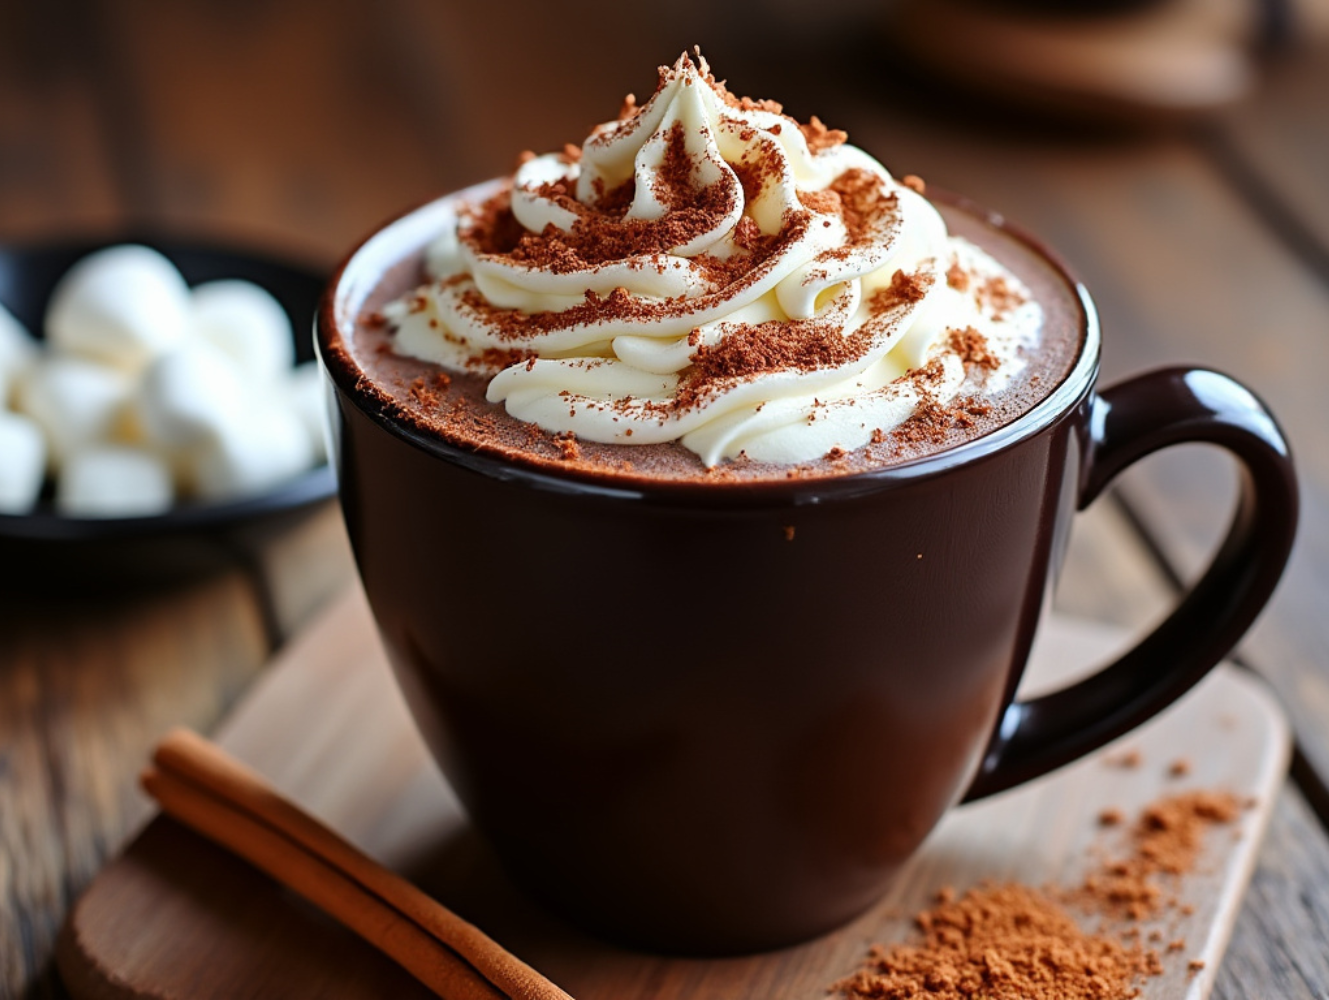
498,358
1165,841
602,234
1001,942
998,297
567,444
1128,760
972,348
757,348
863,199
932,420
928,424
819,137
1015,942
826,201
424,393
957,277
903,289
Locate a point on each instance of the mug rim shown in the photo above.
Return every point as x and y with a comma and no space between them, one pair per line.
411,231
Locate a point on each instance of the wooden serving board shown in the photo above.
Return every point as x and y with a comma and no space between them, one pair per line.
175,917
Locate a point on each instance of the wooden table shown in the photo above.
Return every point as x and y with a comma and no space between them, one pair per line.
296,127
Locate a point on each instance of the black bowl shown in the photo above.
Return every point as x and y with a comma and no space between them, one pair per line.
45,548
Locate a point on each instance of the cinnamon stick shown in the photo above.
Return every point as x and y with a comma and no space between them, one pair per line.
202,786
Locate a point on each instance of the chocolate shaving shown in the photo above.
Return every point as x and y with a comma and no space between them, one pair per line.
957,277
903,290
819,137
972,348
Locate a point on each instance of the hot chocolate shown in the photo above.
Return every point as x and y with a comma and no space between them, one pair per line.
707,289
699,688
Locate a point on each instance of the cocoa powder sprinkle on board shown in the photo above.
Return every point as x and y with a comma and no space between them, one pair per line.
1001,942
1165,842
1015,942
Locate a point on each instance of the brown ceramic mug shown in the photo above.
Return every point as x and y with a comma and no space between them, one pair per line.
689,732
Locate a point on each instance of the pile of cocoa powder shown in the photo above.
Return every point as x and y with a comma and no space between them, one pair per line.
1015,942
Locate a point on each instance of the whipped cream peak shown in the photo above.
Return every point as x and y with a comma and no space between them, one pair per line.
705,269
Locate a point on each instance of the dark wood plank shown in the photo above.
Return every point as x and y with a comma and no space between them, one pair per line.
551,77
85,685
273,124
85,689
1109,575
304,568
1278,143
56,173
1286,910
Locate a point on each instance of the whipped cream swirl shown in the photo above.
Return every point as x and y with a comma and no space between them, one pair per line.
707,270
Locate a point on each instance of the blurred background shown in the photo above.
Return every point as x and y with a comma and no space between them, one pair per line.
300,124
1174,152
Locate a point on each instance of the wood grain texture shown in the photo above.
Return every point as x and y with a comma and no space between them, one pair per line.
84,688
1109,575
302,568
268,124
1281,145
56,171
1269,956
497,94
353,759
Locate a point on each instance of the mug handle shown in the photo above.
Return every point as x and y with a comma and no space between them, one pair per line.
1127,422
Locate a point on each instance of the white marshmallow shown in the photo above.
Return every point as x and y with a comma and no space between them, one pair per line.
188,395
246,322
268,446
76,402
122,306
22,463
17,352
113,481
309,398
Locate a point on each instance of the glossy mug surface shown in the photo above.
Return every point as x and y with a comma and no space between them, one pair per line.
692,732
